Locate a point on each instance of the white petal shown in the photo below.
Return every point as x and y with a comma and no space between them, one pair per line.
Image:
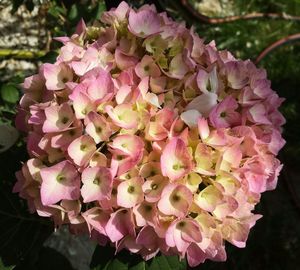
190,117
152,99
203,103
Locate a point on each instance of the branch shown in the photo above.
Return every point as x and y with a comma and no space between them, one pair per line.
276,45
250,16
21,54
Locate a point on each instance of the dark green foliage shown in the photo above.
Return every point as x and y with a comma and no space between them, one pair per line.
21,233
49,57
9,93
63,16
17,3
104,259
47,259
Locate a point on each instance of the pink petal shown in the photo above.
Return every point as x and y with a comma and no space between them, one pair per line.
203,128
97,127
119,225
56,76
59,182
258,114
58,118
237,75
203,103
175,200
123,115
195,255
97,184
82,149
153,187
143,23
130,192
175,159
96,219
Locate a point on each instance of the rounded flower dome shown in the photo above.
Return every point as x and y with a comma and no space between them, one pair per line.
144,136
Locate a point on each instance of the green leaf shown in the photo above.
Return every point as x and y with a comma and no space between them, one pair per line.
162,262
49,57
3,267
104,258
8,137
73,13
140,266
9,93
50,259
101,257
56,11
98,10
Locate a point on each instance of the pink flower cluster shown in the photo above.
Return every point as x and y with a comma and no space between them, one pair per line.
142,135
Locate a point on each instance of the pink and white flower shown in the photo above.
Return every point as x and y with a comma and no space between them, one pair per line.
176,200
144,22
81,150
59,182
176,161
57,76
143,136
97,184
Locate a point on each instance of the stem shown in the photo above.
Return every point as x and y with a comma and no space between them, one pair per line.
250,16
21,54
276,45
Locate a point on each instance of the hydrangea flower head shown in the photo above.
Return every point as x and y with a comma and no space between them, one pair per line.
142,135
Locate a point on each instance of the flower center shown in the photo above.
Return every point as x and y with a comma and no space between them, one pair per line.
223,114
130,189
64,80
177,167
83,147
208,87
65,120
181,224
96,181
152,173
176,198
148,208
154,186
60,178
